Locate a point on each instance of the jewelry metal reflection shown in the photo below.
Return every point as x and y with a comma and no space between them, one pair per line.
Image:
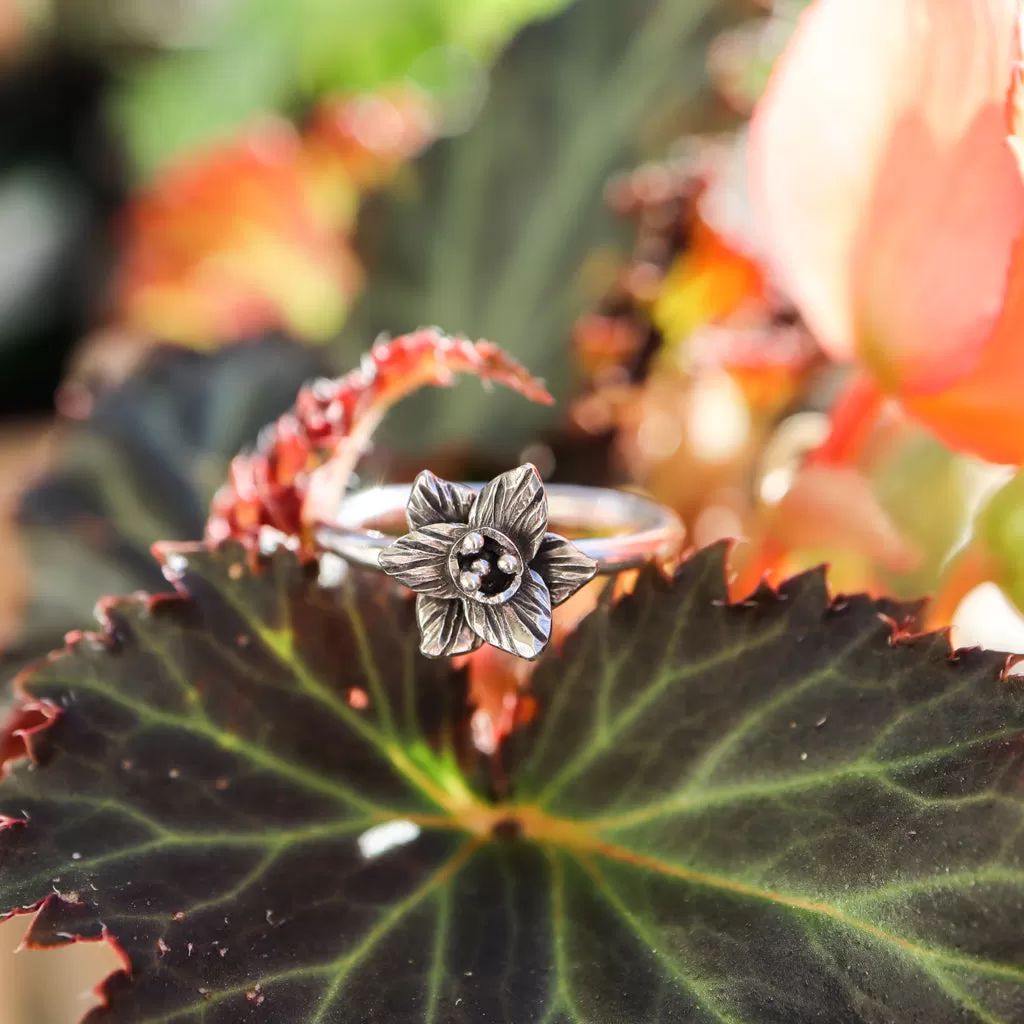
484,566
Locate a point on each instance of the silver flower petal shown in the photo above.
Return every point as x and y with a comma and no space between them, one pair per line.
444,630
516,505
563,567
521,626
419,560
433,500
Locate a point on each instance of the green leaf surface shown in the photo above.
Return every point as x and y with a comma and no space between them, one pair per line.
497,241
143,468
770,812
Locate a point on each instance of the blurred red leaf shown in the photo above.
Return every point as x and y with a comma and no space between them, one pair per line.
227,245
357,143
253,234
330,426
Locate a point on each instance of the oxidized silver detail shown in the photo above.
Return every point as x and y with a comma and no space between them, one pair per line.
485,567
469,582
471,543
509,563
481,566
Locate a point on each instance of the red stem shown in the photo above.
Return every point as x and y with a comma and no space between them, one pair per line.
853,420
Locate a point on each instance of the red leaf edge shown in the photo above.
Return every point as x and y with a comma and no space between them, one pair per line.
331,424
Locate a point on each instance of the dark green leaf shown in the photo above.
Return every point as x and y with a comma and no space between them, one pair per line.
494,244
143,468
769,812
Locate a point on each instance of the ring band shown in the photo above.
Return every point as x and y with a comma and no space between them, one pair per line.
481,558
648,530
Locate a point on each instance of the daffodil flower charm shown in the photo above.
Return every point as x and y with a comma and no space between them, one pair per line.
484,566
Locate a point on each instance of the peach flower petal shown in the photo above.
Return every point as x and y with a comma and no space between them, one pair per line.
883,182
983,412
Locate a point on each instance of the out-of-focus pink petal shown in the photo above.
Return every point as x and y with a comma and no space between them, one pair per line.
886,191
930,272
836,507
983,412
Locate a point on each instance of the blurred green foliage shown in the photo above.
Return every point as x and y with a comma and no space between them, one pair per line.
268,55
922,465
503,234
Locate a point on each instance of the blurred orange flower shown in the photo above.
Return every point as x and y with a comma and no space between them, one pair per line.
892,206
254,234
707,282
226,245
357,143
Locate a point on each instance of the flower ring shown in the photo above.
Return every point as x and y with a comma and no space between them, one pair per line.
483,564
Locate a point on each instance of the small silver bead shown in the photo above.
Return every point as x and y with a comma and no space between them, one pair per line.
508,563
469,582
481,566
471,543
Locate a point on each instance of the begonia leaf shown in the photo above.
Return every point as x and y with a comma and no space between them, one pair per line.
783,810
142,467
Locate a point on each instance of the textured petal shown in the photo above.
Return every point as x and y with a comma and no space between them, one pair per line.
419,560
443,628
515,504
983,412
563,567
433,500
882,181
521,626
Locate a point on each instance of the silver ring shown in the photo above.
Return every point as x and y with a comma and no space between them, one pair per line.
481,559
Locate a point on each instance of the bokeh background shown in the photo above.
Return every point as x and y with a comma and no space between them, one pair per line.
205,203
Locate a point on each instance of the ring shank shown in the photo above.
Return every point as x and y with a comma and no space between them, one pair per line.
636,529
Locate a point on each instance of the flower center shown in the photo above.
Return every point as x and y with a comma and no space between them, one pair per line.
486,566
